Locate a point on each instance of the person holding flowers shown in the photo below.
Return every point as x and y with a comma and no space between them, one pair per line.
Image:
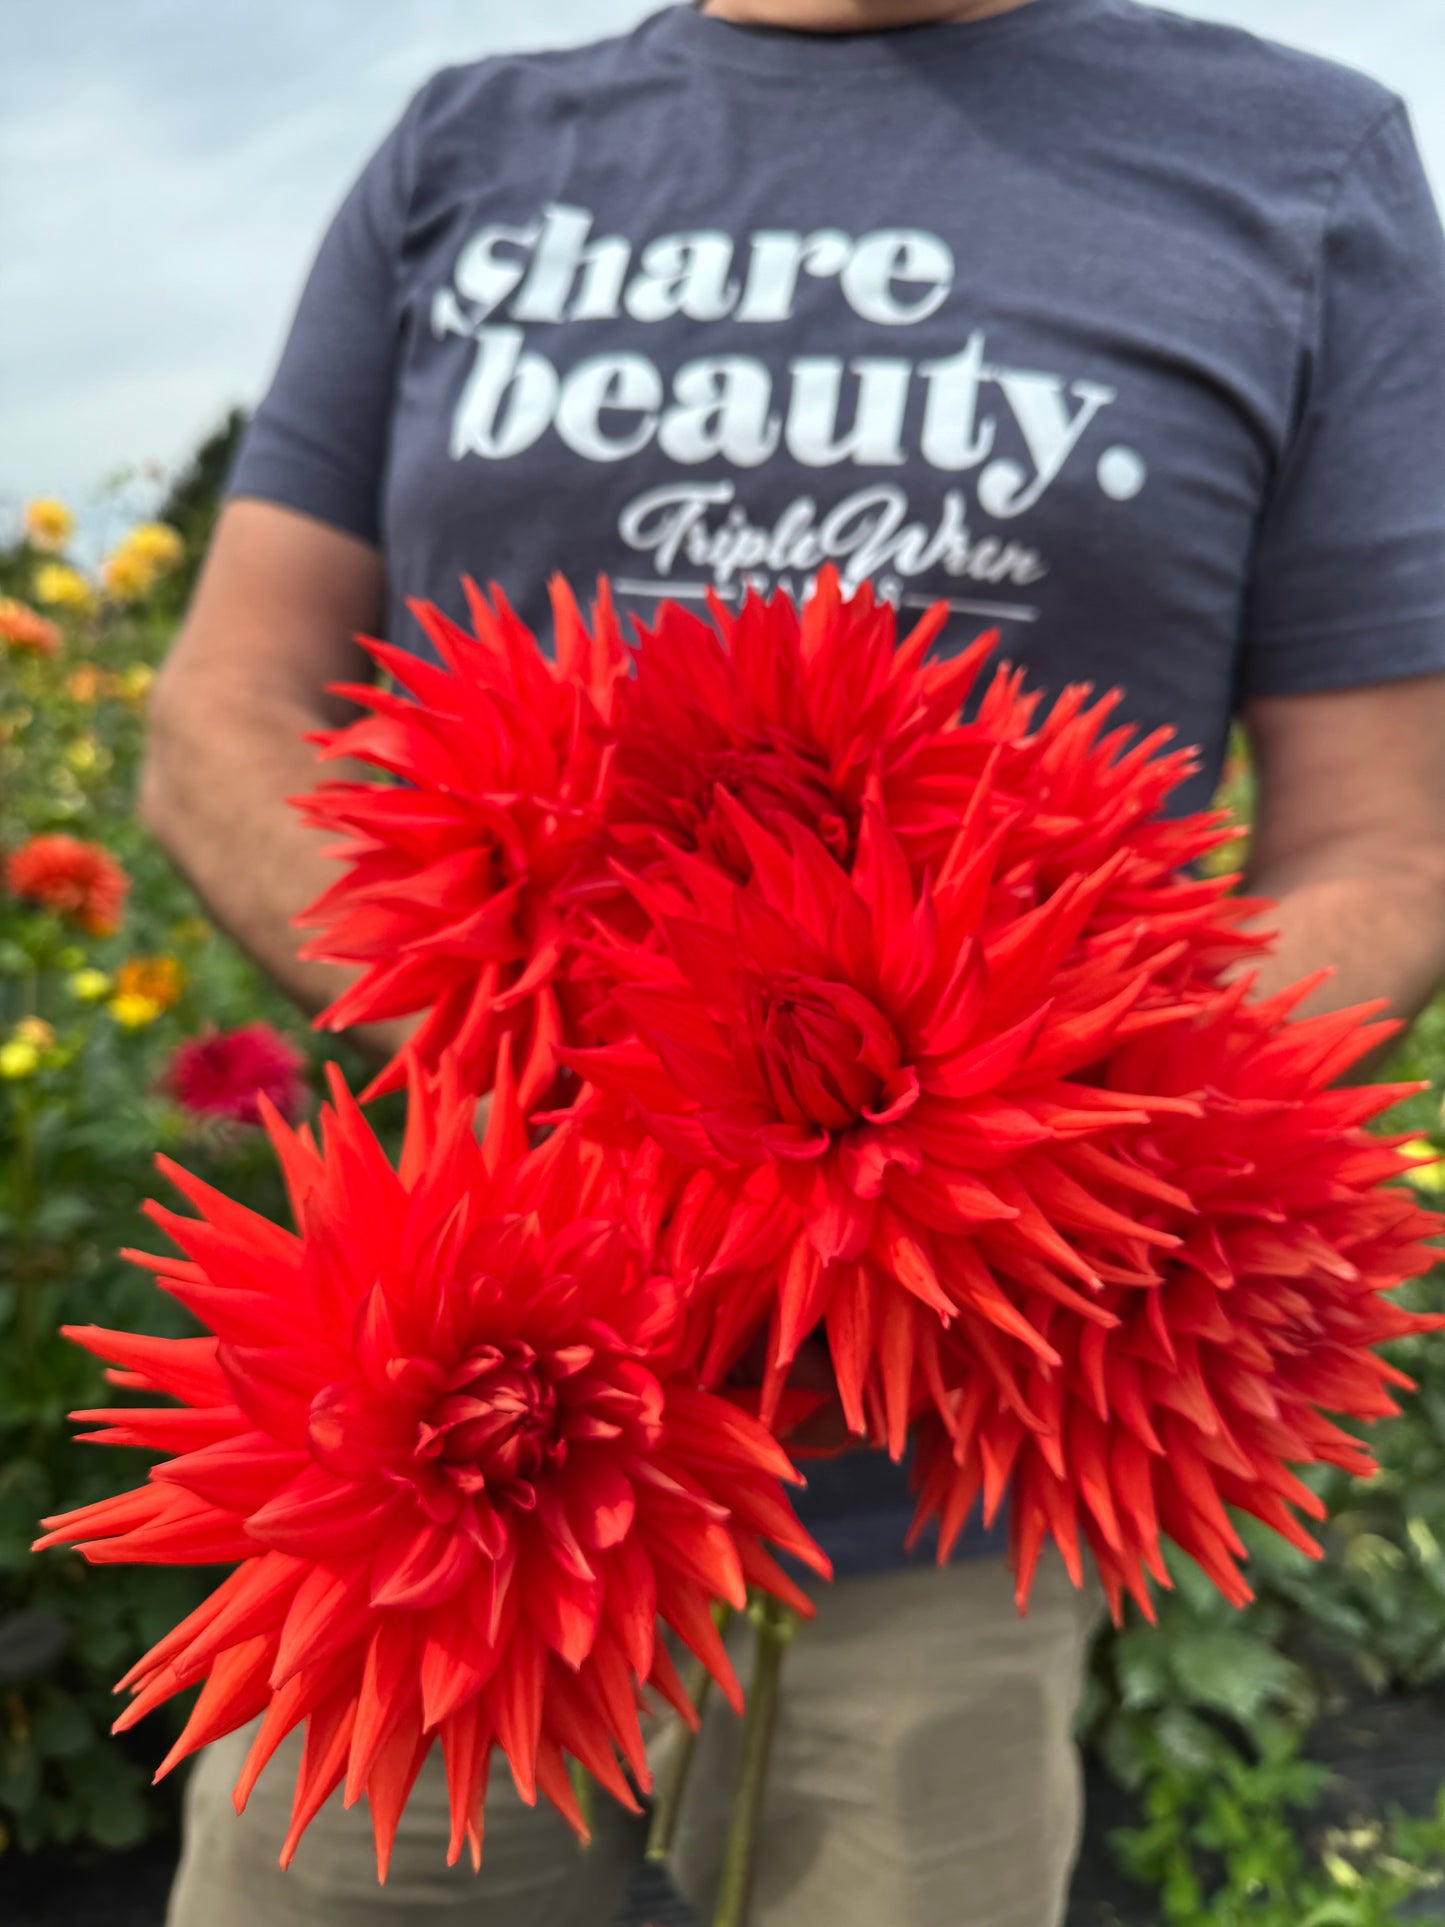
1025,305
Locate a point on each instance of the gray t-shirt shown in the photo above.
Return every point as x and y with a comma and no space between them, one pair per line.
1121,331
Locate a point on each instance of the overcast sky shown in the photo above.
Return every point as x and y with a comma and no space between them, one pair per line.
166,169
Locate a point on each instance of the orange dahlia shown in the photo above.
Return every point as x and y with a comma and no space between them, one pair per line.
78,880
453,900
440,1430
25,629
160,980
1243,1242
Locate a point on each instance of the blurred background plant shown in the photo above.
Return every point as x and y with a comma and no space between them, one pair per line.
1253,1743
116,995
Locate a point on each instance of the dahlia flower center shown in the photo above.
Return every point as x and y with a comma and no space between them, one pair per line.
491,856
826,1054
494,1427
769,777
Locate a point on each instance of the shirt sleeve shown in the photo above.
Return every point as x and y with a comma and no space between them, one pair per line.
1348,580
318,442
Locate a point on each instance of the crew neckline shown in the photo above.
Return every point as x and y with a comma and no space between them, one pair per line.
759,49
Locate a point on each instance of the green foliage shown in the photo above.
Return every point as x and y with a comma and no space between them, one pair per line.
1222,1843
1160,1692
1373,1607
1203,1714
78,1133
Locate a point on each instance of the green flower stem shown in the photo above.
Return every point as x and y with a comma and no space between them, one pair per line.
667,1808
23,1206
776,1626
582,1791
29,988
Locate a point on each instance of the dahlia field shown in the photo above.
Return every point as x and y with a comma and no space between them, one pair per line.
808,1017
127,1027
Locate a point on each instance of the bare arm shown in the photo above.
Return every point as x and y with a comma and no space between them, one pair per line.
1350,839
273,622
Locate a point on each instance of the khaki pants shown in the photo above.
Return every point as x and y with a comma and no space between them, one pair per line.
922,1776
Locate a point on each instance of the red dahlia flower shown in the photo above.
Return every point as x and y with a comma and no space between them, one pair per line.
228,1073
469,878
856,1066
436,1429
792,714
453,899
1244,1243
78,880
1069,794
799,716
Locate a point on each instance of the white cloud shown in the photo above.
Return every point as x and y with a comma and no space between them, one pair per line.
159,215
159,208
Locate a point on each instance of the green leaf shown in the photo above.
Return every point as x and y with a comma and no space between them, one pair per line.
1272,1556
1320,1601
19,1775
64,1822
1141,1666
116,1815
1182,1895
1230,1672
23,1498
1186,1741
103,1646
1121,1746
60,1216
1340,1910
61,1729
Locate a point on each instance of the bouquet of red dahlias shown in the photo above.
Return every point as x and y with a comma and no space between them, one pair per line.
931,1039
840,1014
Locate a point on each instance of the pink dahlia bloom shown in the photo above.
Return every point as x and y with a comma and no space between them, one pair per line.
224,1073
